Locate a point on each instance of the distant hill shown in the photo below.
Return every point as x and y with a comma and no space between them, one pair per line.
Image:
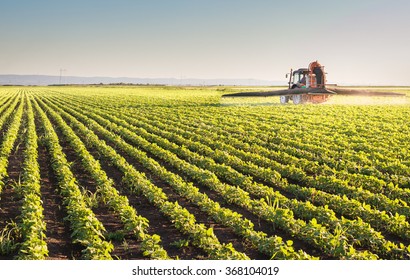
42,80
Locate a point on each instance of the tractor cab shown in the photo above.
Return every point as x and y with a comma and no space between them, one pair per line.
298,78
311,77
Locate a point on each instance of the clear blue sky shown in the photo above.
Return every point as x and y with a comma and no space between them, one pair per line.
359,42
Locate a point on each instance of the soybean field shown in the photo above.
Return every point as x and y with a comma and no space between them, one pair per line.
157,172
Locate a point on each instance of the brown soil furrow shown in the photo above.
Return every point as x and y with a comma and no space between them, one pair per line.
10,203
224,233
259,225
159,224
126,246
58,233
59,241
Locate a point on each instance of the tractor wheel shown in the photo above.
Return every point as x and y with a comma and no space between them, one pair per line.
284,99
297,99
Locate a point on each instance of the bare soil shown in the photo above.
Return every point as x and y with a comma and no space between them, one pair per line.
224,234
59,242
10,203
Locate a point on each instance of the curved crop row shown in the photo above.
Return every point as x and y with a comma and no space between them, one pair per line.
183,220
308,165
272,246
311,232
32,224
86,229
274,149
109,195
394,224
320,144
351,208
356,230
9,137
258,126
289,170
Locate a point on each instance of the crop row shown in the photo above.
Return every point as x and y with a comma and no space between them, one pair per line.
321,143
87,230
284,154
352,208
311,159
9,138
357,227
340,190
282,218
329,182
201,236
272,246
273,128
356,230
218,152
119,204
32,224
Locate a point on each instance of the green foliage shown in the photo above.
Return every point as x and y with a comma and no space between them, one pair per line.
9,236
334,177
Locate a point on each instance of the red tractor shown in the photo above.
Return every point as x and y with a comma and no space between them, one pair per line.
309,85
313,77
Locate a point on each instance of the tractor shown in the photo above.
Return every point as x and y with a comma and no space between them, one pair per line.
309,85
313,77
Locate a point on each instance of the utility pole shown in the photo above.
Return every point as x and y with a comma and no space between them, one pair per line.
61,74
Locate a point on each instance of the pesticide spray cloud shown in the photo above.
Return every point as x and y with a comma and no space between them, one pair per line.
371,96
